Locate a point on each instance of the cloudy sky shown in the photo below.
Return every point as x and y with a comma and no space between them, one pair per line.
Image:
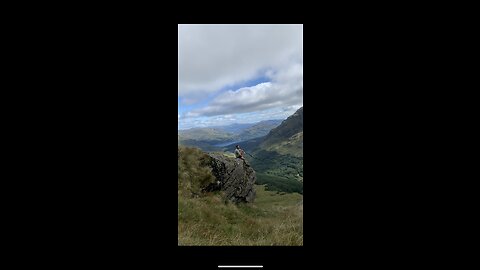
238,73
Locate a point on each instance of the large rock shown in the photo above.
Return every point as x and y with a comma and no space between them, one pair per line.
235,177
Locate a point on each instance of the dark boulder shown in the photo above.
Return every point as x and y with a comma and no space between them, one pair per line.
234,177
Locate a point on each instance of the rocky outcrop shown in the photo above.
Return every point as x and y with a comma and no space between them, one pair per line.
234,177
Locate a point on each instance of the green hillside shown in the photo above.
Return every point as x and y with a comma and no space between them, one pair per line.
280,184
258,130
274,219
273,163
280,153
193,172
287,138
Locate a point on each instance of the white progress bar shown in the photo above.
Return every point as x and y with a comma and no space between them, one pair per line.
240,266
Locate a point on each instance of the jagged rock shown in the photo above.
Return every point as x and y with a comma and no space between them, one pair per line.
234,176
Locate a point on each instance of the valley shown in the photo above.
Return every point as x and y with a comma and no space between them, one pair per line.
274,148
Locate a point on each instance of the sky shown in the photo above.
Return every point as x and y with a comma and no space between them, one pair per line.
238,73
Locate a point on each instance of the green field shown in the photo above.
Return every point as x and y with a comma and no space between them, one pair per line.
272,220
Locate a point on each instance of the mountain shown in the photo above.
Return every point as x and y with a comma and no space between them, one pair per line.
257,130
287,138
234,128
278,157
212,138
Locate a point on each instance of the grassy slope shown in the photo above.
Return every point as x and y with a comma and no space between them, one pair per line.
272,219
292,146
275,183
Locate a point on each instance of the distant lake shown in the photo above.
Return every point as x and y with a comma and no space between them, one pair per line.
225,143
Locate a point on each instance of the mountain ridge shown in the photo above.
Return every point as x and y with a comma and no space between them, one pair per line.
209,138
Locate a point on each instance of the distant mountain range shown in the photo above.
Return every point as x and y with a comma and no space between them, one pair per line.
212,138
234,128
213,135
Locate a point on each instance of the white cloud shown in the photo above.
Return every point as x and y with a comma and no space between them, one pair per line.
252,117
286,89
214,56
